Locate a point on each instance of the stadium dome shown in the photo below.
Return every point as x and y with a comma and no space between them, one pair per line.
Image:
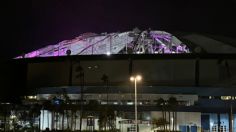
208,43
130,42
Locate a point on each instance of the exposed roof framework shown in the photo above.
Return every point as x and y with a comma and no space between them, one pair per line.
131,42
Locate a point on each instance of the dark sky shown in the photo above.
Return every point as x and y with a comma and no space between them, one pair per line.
29,25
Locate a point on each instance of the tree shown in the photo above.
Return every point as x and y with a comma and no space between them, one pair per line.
111,118
173,103
30,115
161,103
107,118
91,112
108,111
67,101
80,75
160,123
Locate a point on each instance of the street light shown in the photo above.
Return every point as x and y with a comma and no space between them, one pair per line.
135,79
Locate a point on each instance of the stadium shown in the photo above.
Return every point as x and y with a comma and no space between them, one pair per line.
188,83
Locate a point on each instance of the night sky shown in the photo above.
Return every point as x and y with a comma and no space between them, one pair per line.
29,25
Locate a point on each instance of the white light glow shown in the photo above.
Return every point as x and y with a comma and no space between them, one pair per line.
13,116
103,103
131,78
130,103
108,53
138,77
211,124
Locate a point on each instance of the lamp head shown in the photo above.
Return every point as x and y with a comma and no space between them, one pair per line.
138,78
132,78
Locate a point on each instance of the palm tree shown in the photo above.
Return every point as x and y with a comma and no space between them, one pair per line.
92,108
67,101
33,113
161,103
168,108
111,118
105,80
80,75
102,118
173,103
107,118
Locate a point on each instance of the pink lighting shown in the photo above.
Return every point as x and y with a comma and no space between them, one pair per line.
159,42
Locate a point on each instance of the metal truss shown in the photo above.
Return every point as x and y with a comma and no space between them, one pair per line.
131,42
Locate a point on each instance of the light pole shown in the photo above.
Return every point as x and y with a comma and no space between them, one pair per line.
135,79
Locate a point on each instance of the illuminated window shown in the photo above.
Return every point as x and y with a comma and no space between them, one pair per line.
103,102
226,98
31,97
130,103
